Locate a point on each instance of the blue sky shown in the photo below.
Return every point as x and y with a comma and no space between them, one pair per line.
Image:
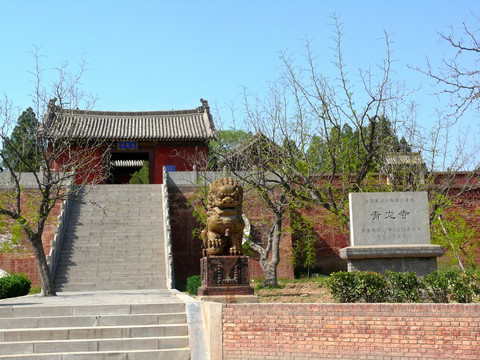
161,55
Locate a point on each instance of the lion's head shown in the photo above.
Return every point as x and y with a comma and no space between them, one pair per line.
225,193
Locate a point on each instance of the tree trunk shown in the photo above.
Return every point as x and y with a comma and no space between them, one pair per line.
270,273
43,270
269,266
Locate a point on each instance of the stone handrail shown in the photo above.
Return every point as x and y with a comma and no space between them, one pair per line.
56,244
167,233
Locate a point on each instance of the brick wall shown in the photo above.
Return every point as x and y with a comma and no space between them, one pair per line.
331,235
22,259
187,249
351,331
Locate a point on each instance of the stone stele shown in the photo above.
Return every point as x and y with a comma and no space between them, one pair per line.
389,218
390,231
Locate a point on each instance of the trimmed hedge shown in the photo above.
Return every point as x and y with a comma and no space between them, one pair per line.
14,285
437,287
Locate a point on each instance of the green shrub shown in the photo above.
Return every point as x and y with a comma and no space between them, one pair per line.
466,287
344,287
193,283
14,285
403,286
438,286
372,287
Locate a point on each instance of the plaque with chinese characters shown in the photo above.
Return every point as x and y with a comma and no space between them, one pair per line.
389,218
127,145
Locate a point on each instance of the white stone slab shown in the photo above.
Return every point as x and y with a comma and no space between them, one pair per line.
389,218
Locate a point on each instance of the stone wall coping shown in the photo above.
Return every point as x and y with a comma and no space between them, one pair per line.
170,277
391,251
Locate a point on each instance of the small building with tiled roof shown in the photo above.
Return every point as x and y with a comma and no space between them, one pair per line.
176,139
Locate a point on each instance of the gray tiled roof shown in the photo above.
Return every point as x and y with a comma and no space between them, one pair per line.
405,159
195,124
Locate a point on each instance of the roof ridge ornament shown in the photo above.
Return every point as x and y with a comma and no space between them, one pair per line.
204,105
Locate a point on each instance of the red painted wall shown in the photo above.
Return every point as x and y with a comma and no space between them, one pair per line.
89,164
182,156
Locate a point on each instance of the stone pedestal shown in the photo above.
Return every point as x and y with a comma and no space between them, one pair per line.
225,275
422,259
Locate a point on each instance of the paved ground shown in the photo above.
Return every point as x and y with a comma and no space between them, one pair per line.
98,298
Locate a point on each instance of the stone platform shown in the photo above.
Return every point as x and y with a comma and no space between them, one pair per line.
225,275
422,259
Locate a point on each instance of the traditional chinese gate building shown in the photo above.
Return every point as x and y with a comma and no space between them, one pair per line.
177,139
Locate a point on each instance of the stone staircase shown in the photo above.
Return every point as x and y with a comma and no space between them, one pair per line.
112,302
114,240
94,331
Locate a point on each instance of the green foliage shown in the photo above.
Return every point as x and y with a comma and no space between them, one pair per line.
20,150
13,229
403,287
466,287
247,249
226,141
448,286
343,149
304,237
141,176
14,285
261,286
35,290
344,287
438,287
372,287
198,202
452,232
193,283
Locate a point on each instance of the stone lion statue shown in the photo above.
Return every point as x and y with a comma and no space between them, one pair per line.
224,231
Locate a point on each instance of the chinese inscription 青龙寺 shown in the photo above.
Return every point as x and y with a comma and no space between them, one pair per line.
390,214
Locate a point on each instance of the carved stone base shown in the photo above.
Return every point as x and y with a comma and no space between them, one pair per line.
421,259
225,275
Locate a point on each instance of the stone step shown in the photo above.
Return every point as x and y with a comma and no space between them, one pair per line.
153,215
114,239
112,265
90,345
113,278
100,262
124,250
10,312
130,226
95,332
110,238
92,320
161,354
97,286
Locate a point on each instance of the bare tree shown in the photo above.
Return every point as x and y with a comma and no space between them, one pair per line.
61,161
333,133
459,75
327,137
274,203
